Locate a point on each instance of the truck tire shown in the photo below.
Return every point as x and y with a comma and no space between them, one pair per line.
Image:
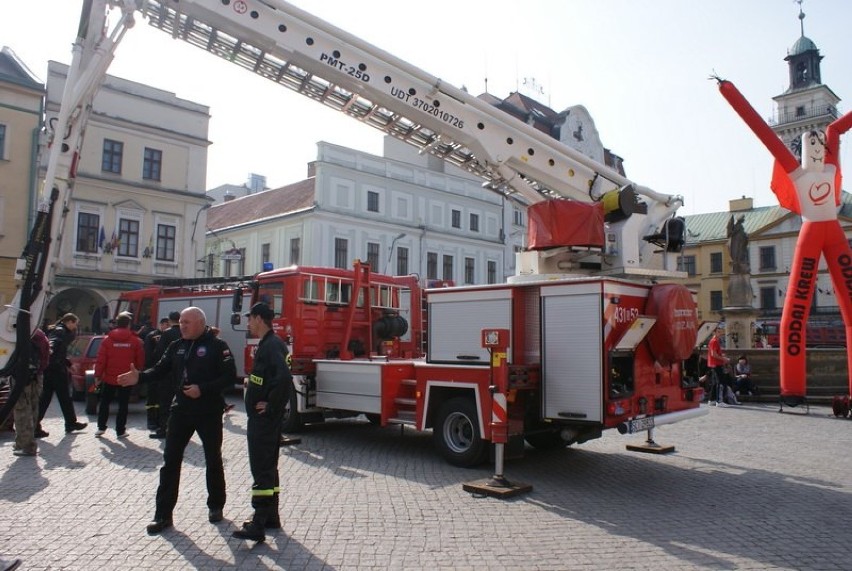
456,433
91,403
292,420
546,440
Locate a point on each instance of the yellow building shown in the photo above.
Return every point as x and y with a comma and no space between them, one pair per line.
21,104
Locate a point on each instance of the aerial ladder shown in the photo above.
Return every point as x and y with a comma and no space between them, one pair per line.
310,56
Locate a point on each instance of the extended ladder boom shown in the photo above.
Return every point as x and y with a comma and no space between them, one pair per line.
306,54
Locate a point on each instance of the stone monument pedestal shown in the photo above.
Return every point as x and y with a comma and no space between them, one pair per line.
739,326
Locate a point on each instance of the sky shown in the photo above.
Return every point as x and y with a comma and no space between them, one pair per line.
640,67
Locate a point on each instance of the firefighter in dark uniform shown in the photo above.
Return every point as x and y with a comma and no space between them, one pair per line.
200,367
265,394
152,402
165,389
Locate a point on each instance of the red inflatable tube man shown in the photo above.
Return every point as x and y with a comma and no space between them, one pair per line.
811,190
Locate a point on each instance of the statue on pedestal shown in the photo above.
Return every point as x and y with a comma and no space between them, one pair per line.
738,245
739,284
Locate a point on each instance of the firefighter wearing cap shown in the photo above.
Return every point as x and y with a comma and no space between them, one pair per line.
265,396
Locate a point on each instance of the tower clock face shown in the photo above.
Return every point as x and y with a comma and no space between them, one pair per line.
796,147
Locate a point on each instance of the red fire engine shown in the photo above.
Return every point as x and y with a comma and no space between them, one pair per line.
583,355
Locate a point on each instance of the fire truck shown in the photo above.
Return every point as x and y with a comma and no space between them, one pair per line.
215,296
586,337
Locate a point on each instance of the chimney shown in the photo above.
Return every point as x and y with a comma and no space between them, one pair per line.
741,204
256,183
312,169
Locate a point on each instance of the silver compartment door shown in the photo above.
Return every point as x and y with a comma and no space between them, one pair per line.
571,360
456,321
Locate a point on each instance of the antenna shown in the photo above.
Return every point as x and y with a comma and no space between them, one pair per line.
801,16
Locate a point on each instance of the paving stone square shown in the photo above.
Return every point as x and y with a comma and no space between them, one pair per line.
746,488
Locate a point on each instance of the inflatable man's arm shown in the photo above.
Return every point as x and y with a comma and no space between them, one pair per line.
832,148
785,161
756,123
832,137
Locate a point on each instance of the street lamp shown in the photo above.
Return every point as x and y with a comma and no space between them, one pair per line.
390,249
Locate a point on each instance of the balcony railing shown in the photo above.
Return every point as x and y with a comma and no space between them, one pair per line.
802,114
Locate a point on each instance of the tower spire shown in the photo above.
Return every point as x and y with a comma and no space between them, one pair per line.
801,16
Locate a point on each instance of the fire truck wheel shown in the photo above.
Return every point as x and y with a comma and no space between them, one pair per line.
292,421
546,440
456,433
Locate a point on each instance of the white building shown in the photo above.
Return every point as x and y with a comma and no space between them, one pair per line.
138,207
401,217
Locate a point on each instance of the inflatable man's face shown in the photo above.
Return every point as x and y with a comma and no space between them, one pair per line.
813,150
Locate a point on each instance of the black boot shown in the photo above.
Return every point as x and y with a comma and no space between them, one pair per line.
250,530
153,418
273,520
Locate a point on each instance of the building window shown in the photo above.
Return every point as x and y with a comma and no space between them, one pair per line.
767,258
128,238
768,300
492,272
241,263
474,222
715,300
373,256
455,216
469,270
87,232
800,111
517,217
111,159
341,253
448,268
372,201
431,266
686,264
152,164
295,251
211,265
2,142
166,242
716,263
265,250
401,261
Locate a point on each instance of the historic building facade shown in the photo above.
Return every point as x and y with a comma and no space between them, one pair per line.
21,100
139,204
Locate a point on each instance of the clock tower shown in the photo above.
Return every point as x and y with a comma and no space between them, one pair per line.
807,104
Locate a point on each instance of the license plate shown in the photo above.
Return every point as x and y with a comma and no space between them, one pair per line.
640,424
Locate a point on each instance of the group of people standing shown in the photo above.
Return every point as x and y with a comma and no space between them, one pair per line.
722,387
48,375
188,370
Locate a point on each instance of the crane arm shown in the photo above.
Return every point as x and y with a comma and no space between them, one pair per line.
308,55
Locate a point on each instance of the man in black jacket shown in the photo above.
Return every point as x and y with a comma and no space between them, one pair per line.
165,389
56,376
265,394
199,366
152,400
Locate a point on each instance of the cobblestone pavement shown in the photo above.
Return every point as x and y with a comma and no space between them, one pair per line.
747,488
